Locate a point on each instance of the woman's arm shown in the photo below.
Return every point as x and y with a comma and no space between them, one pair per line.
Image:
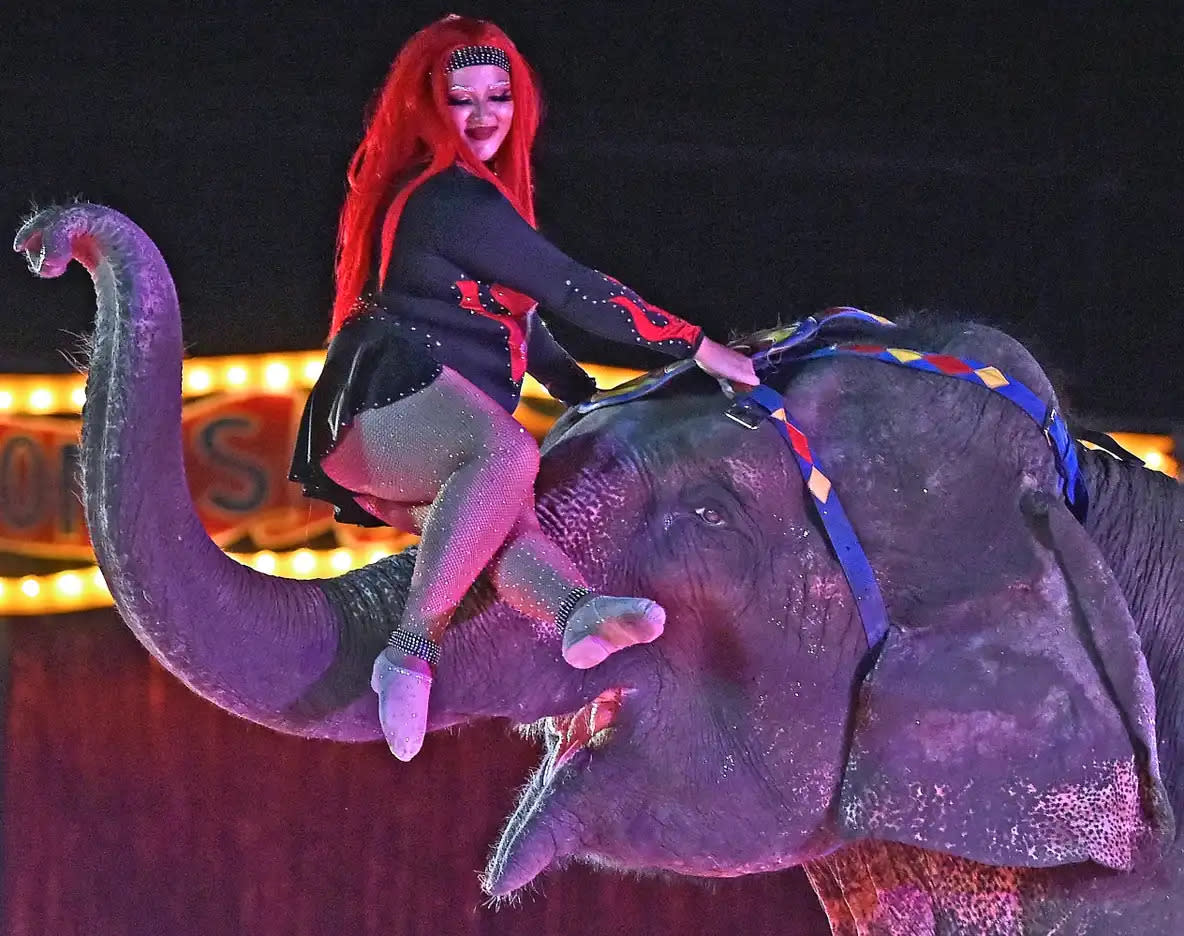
549,364
479,231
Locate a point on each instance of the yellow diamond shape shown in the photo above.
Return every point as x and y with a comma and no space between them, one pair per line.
779,414
992,377
903,354
881,319
819,485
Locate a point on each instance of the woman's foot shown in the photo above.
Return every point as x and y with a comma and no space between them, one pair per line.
599,625
403,682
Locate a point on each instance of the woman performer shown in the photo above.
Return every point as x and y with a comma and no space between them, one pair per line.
438,271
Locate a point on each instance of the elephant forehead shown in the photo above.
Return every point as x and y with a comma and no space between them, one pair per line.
576,505
665,436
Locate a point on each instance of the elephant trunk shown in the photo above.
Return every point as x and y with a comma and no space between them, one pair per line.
251,643
295,656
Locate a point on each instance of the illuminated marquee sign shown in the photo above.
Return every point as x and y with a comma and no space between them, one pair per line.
236,449
238,431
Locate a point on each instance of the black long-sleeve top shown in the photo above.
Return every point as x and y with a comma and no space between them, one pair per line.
463,280
460,291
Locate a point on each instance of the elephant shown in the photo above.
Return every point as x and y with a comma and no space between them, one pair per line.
1007,759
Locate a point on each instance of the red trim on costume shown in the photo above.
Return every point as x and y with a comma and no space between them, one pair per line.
516,303
470,299
671,327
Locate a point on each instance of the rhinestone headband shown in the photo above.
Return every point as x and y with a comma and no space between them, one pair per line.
477,55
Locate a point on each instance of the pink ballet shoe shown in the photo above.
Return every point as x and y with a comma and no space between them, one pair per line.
403,682
600,625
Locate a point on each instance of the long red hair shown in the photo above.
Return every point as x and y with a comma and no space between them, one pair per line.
409,128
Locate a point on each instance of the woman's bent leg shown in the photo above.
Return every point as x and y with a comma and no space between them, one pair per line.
451,446
534,576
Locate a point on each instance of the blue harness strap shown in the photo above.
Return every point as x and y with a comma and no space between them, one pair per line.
789,344
852,559
1071,485
762,402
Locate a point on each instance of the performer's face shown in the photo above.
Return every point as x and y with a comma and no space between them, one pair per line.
481,106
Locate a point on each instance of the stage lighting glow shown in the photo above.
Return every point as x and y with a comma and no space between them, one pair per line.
41,400
312,370
276,376
304,562
69,584
83,588
198,379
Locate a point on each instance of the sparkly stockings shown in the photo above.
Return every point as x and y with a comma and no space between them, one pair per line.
449,463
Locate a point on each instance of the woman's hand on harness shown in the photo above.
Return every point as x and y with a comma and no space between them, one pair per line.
726,364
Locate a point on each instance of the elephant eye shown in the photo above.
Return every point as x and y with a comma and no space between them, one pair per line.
710,516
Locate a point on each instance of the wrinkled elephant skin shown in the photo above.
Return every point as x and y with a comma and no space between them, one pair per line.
1006,761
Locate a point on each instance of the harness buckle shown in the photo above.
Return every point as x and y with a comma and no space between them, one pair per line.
747,412
1056,434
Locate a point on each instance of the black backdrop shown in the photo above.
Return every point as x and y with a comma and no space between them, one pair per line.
737,163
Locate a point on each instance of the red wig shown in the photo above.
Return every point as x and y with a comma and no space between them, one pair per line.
408,129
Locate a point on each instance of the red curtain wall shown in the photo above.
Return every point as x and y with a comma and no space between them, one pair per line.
131,806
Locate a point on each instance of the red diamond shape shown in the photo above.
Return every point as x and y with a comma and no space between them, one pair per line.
864,348
798,440
948,365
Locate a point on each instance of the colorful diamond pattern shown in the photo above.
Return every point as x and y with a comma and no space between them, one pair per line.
819,485
947,364
798,440
992,377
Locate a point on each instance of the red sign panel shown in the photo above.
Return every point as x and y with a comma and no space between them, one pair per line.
237,452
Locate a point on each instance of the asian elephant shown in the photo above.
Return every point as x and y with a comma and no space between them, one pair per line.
1007,760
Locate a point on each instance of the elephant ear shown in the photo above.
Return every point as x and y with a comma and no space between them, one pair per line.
1018,728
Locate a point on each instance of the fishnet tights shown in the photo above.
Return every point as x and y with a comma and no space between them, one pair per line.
451,464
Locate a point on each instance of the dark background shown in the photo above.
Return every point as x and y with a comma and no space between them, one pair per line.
736,163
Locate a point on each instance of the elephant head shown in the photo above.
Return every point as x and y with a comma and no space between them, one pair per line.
1008,718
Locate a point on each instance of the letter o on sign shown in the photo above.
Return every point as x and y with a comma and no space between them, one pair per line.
22,482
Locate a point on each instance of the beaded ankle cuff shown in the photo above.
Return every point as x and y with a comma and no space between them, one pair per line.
568,604
414,644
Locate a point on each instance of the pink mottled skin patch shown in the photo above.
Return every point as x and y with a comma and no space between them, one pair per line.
887,889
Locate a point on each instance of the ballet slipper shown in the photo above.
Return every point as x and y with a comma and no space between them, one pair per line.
599,625
403,682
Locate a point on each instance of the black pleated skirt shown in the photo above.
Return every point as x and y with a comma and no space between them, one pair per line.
369,364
